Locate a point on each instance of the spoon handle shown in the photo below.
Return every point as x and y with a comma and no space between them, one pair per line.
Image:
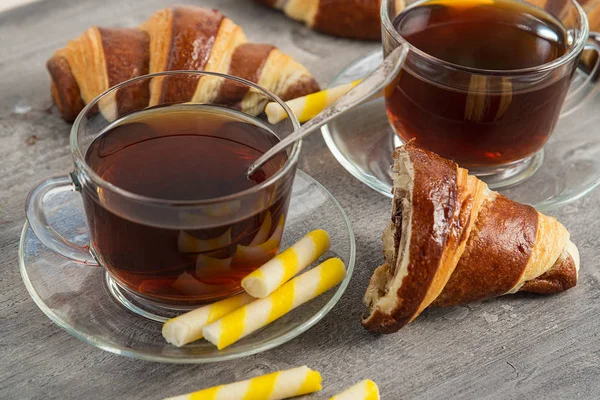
370,86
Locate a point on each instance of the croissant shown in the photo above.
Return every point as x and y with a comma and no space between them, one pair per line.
358,19
176,38
561,8
592,9
451,240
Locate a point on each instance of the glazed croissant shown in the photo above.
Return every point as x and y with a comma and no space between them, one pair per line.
177,38
358,19
451,241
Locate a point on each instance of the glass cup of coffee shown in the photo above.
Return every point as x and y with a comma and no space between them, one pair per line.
484,80
172,215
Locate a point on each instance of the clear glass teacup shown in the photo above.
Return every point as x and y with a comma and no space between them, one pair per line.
160,245
493,121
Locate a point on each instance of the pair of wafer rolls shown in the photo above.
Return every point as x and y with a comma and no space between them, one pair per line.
451,240
281,385
261,283
187,327
176,38
277,385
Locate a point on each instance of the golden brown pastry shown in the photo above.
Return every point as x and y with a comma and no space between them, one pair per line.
451,240
98,59
358,19
176,38
592,9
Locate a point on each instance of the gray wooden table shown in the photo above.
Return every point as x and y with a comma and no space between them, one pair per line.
519,347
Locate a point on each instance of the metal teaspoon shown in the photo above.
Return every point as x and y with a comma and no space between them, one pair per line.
367,88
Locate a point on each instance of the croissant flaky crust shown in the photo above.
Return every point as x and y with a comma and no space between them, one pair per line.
451,240
358,19
176,38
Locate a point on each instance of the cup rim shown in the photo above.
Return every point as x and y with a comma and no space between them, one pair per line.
388,26
83,165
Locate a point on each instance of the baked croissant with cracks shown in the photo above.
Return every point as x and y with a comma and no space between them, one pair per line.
451,240
176,38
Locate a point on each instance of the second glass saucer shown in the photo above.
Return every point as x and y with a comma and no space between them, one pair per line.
363,142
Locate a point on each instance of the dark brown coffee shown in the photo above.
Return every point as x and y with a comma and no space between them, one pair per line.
479,126
185,152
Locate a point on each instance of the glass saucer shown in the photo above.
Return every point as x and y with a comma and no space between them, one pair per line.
79,299
567,169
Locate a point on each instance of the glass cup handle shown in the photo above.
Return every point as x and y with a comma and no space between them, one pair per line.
34,208
587,88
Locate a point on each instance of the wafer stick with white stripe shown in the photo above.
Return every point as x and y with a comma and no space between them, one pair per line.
262,312
187,327
211,267
190,285
363,390
260,253
274,386
263,232
308,106
187,243
286,264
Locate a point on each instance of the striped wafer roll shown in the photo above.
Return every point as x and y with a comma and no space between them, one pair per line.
308,106
363,390
187,327
286,264
277,385
262,252
187,243
262,312
210,267
263,232
200,288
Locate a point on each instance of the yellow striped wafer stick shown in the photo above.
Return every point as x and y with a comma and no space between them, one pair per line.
363,390
188,284
187,327
263,251
262,312
308,106
278,385
211,267
226,209
187,243
286,264
263,232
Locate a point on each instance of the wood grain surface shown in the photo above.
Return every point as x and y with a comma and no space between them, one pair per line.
514,347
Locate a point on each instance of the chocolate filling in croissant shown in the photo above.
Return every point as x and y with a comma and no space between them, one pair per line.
451,240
